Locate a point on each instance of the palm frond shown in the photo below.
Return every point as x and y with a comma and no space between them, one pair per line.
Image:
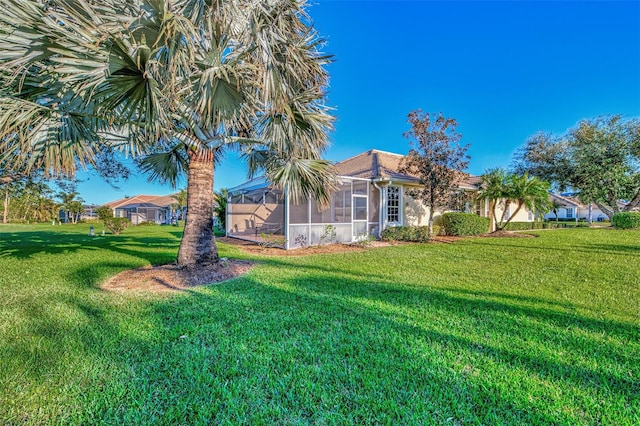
304,178
167,167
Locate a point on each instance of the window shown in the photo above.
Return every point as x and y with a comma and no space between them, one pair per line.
393,204
569,212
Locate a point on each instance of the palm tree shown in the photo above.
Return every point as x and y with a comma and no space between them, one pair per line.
555,206
180,203
72,206
221,207
494,190
502,189
527,191
174,83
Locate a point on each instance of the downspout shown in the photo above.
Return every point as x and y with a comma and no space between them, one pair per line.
380,206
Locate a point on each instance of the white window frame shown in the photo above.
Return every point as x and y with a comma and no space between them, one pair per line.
388,205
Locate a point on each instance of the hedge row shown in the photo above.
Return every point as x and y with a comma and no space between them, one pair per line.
626,220
464,224
524,226
418,234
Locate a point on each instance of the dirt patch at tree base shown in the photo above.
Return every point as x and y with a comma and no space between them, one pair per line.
171,277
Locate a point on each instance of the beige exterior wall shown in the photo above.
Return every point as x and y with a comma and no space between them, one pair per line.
415,213
524,215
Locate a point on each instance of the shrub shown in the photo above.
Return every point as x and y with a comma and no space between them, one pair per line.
419,234
626,220
523,226
147,223
462,224
116,224
104,213
552,224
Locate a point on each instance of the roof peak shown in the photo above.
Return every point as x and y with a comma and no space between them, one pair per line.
379,151
369,152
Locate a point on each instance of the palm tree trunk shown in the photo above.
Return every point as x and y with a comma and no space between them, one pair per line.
511,216
500,225
198,245
492,216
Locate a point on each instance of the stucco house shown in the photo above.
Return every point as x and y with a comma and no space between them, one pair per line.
572,209
371,195
144,208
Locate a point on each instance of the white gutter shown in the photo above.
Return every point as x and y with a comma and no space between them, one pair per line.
381,205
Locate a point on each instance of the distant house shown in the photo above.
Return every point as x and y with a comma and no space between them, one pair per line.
572,209
371,195
145,208
89,212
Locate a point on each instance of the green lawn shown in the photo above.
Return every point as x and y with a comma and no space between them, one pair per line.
483,331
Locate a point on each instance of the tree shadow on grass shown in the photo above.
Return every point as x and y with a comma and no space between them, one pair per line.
308,348
553,310
26,244
550,346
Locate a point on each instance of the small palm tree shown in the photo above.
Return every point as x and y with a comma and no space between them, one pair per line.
71,205
555,206
493,189
527,191
174,83
503,189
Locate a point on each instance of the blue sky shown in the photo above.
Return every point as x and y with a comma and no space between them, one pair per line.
504,70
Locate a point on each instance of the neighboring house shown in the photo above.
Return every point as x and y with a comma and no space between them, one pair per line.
371,195
572,209
145,208
89,212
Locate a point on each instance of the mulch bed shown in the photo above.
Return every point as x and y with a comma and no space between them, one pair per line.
171,277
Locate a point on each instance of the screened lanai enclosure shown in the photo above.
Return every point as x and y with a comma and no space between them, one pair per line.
257,212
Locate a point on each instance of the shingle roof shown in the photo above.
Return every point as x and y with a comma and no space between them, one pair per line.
157,200
566,201
375,164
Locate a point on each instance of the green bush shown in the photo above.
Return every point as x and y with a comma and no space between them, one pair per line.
523,226
626,220
147,223
418,234
104,213
116,224
462,224
552,224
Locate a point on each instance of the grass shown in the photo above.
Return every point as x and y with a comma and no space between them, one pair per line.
484,331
